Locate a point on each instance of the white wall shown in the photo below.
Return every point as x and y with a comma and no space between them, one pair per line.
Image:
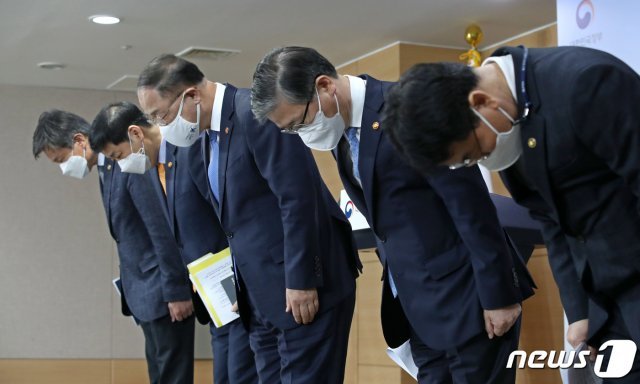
57,258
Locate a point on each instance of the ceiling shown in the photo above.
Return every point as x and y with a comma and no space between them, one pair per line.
33,31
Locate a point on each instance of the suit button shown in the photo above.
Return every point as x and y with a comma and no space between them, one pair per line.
230,235
383,238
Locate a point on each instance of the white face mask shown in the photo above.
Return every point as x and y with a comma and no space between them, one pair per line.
508,147
136,162
181,132
324,133
76,166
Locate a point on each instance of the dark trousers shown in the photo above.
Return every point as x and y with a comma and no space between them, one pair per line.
477,361
616,329
233,360
169,350
314,353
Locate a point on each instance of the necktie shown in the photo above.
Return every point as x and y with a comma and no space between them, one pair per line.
213,164
163,178
354,146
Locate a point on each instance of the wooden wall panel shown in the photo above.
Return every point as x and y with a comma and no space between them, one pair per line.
329,172
371,344
383,65
375,374
542,320
411,54
55,371
84,371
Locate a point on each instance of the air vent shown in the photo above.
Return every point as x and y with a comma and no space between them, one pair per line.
194,53
125,83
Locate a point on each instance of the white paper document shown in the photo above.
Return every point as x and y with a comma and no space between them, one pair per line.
402,356
212,276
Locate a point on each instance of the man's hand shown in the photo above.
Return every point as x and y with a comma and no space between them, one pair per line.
180,310
303,303
577,333
497,322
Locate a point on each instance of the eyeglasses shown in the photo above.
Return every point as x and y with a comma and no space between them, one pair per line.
469,162
293,129
160,120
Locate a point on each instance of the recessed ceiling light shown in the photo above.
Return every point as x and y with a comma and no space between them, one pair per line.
51,65
104,19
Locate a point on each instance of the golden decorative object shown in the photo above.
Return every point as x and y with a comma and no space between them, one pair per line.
532,143
375,125
472,35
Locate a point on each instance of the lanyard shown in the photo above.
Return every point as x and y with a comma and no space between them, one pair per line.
523,87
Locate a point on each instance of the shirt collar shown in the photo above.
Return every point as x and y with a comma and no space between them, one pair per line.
216,112
100,159
162,153
358,91
505,63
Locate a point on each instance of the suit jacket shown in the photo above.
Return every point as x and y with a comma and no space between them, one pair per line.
191,215
447,264
151,269
284,227
578,175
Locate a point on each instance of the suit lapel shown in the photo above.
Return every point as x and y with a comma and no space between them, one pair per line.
533,129
170,173
226,131
534,156
110,170
370,134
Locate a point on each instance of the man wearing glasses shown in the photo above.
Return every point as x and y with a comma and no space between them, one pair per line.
453,278
294,256
562,127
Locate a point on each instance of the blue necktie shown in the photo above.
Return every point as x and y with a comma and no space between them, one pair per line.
354,146
213,180
213,165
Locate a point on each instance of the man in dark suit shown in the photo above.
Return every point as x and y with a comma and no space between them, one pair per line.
293,252
562,126
154,280
453,278
194,225
198,232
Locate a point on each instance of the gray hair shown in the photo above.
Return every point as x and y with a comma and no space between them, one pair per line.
56,129
169,74
289,74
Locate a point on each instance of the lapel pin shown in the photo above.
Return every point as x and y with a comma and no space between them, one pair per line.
375,125
170,164
108,167
532,142
226,131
